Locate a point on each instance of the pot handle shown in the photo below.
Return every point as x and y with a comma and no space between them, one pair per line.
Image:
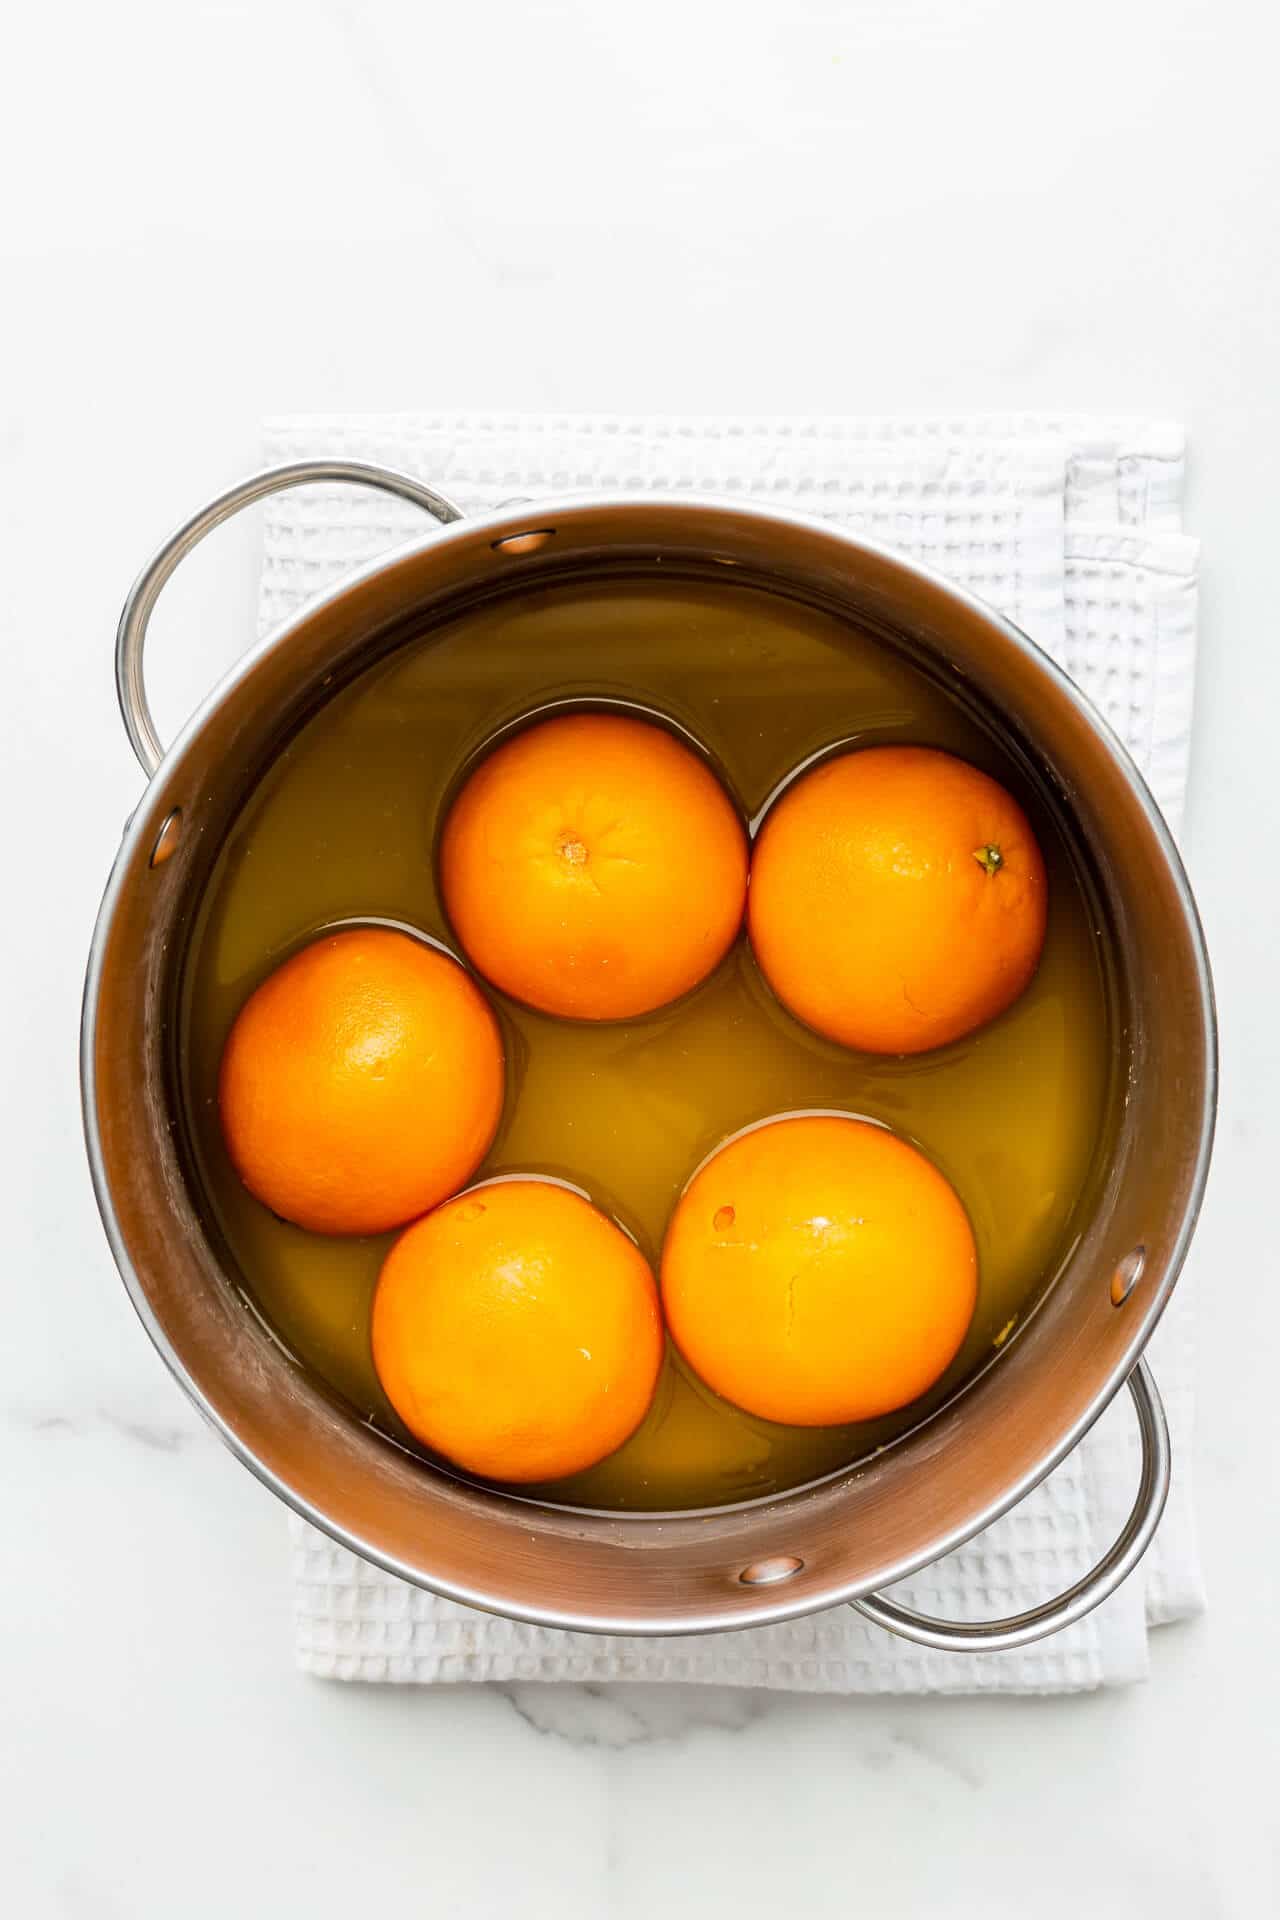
1019,1629
146,589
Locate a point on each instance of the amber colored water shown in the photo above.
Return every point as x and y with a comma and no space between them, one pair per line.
343,827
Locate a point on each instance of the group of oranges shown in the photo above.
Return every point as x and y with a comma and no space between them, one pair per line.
817,1269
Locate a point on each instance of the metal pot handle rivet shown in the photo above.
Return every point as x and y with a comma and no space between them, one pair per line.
1019,1629
147,588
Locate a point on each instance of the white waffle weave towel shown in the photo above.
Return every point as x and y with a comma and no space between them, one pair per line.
1071,526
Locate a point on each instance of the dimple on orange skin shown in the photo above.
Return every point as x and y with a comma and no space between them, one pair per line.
898,899
361,1083
594,867
818,1270
517,1331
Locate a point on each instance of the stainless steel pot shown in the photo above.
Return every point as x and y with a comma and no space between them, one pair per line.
868,1527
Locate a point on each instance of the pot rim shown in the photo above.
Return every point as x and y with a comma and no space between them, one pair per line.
496,525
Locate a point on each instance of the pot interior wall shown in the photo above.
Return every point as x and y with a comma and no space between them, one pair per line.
851,1533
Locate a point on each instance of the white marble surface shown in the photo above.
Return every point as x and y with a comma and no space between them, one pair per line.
908,204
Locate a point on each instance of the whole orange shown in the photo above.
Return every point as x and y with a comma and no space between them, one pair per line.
594,867
517,1331
819,1270
898,899
361,1083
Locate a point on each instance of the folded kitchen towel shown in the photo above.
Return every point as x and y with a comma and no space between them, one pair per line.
1071,526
